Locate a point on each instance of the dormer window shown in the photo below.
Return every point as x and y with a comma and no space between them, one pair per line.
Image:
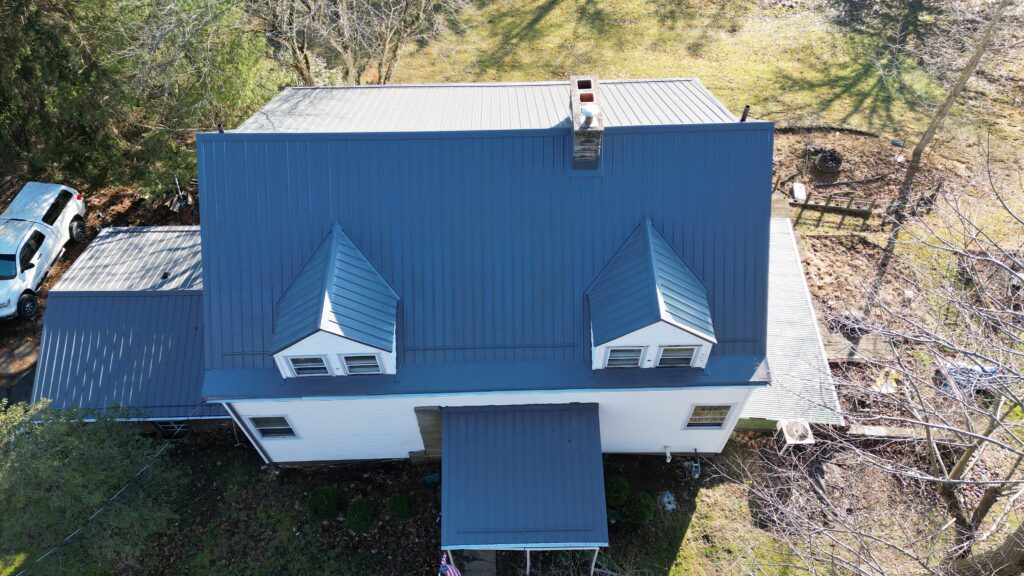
624,357
648,309
361,364
309,366
676,356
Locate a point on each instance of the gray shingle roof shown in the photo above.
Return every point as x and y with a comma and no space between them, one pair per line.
338,291
516,477
140,258
801,382
644,283
469,107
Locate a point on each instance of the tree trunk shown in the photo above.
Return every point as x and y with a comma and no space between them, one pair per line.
1006,560
913,167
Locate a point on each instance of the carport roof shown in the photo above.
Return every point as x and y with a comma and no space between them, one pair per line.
522,477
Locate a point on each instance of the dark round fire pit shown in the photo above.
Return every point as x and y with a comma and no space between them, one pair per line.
827,160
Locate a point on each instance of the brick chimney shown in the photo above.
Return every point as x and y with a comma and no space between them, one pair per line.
586,106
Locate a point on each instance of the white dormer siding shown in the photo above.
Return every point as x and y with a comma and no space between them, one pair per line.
333,348
652,339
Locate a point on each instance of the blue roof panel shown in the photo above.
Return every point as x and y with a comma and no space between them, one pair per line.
490,239
644,283
515,477
361,304
139,353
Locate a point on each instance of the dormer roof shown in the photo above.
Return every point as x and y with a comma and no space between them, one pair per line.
337,291
647,282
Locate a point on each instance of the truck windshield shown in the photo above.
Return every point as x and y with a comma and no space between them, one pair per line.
7,268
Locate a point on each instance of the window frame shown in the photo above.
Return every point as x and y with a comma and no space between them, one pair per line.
639,362
721,426
343,359
250,420
22,261
321,357
56,215
661,352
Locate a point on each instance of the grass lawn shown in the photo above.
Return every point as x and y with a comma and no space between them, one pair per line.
236,517
789,65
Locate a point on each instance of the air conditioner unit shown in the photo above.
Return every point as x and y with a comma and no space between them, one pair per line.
795,432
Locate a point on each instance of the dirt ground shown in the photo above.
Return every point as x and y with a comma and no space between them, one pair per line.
116,206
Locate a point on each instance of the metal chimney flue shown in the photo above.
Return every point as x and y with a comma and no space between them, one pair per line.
587,122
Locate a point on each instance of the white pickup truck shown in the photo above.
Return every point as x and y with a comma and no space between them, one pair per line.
34,229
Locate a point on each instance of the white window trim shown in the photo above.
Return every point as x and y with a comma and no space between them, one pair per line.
722,426
291,368
696,353
344,364
639,364
259,435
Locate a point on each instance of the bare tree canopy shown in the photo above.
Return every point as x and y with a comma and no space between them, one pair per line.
349,41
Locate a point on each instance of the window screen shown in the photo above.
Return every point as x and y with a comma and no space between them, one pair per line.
362,364
708,416
309,366
624,357
272,426
676,356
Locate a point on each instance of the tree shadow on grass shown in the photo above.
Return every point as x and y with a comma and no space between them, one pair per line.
707,17
870,89
515,28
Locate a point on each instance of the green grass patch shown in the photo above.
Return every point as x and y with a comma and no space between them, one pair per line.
789,65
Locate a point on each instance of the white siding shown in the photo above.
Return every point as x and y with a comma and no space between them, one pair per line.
632,421
652,338
332,346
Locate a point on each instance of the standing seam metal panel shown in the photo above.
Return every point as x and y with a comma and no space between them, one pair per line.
480,235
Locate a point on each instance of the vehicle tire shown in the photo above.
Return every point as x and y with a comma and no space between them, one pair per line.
28,306
77,230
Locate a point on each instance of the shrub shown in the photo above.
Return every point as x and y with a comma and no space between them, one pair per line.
325,502
362,514
400,507
616,491
640,508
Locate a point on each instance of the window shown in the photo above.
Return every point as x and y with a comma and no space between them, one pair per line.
30,249
7,268
57,207
676,356
272,426
708,416
624,357
361,364
309,366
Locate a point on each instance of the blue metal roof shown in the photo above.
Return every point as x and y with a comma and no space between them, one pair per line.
124,328
490,238
139,354
644,283
338,291
517,477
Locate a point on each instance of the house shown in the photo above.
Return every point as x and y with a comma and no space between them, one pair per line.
513,277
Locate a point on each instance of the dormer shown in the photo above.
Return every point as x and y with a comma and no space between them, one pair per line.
338,316
648,309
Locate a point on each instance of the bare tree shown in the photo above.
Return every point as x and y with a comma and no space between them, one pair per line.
353,41
929,479
905,195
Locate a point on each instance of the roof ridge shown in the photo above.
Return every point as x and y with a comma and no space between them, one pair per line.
485,84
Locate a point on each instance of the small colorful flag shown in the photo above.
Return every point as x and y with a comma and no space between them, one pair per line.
447,566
